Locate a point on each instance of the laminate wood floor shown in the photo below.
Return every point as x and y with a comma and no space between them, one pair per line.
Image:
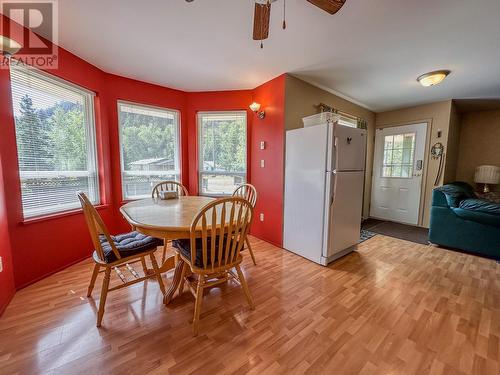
392,307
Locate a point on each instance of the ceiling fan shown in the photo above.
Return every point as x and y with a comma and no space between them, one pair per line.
262,15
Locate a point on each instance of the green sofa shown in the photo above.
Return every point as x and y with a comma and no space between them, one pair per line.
461,221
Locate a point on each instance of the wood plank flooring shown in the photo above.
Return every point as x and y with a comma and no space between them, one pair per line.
392,307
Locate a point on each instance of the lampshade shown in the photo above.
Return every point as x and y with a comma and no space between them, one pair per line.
255,106
487,174
9,46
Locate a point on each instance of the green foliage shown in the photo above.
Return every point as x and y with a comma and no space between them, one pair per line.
32,131
68,139
224,145
146,137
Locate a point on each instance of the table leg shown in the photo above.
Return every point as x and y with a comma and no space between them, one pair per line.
175,282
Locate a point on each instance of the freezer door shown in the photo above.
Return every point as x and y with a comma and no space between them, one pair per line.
350,148
305,164
344,215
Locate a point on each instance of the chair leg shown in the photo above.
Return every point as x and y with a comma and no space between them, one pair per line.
197,306
104,294
244,285
93,279
183,280
144,266
250,250
164,255
158,273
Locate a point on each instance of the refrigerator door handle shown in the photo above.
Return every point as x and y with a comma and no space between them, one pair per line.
336,145
334,192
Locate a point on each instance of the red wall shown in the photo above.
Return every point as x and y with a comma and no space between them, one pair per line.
269,180
40,247
7,286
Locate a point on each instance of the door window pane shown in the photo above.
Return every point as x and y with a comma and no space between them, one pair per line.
222,151
398,155
149,141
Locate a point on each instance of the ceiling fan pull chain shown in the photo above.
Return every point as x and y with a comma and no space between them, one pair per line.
261,28
284,14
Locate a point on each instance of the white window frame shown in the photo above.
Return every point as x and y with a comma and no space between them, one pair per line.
177,157
92,156
199,115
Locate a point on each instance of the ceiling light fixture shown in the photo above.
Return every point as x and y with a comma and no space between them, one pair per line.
433,78
8,47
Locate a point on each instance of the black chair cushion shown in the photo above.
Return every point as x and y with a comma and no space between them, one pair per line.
184,246
128,244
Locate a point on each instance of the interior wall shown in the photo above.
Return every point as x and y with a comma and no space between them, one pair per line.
479,143
437,115
269,180
301,100
7,286
453,145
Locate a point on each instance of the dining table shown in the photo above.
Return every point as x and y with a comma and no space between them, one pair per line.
169,219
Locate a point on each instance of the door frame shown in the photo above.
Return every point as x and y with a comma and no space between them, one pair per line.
423,183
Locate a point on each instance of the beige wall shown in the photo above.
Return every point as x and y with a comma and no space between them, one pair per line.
479,143
301,99
437,115
452,150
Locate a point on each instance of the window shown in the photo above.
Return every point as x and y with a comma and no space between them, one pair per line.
222,151
149,141
399,151
55,141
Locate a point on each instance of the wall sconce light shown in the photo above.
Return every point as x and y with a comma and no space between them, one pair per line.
8,46
255,107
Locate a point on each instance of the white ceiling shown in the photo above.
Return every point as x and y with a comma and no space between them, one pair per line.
371,51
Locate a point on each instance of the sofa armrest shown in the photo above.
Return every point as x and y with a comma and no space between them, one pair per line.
439,199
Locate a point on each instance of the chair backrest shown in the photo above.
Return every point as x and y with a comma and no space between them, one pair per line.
169,185
221,227
248,192
96,227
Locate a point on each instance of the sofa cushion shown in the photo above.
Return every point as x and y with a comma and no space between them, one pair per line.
456,192
480,206
128,244
479,217
184,246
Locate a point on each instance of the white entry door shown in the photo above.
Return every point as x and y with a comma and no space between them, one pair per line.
397,173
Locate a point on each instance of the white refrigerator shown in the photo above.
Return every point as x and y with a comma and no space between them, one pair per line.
324,178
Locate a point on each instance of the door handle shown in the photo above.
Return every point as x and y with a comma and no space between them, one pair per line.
420,165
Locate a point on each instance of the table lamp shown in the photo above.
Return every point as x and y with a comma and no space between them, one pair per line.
487,175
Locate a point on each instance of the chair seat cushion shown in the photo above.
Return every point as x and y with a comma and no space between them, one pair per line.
184,246
129,244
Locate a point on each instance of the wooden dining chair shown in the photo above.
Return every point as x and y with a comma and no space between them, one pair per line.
248,192
113,252
217,235
162,186
169,185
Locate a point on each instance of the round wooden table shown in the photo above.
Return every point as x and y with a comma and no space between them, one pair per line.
168,219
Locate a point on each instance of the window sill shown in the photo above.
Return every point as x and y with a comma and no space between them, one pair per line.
58,215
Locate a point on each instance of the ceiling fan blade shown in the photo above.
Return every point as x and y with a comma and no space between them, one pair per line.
330,6
261,21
